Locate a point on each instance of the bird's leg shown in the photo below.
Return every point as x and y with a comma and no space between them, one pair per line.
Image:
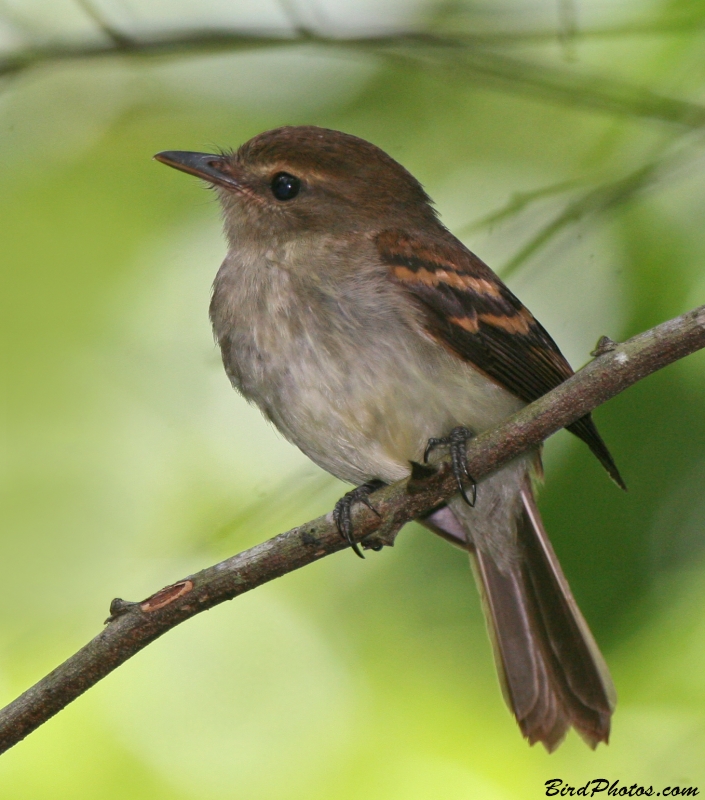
456,442
341,512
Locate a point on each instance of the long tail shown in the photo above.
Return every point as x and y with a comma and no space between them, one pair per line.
551,670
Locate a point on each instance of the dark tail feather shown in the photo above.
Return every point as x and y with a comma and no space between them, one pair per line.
586,430
552,673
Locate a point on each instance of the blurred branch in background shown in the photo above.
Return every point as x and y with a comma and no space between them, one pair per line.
453,43
468,55
596,199
119,39
132,626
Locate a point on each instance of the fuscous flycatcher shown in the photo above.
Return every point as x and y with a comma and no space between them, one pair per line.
363,329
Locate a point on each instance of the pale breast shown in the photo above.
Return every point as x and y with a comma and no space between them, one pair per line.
342,372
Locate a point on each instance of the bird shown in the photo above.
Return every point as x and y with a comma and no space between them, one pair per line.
373,339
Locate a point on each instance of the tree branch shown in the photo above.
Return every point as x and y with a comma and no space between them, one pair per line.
595,200
467,55
133,626
118,39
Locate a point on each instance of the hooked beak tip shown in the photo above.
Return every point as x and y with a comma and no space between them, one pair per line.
206,166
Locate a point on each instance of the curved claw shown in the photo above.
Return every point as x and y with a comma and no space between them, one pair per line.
341,517
463,492
431,445
341,512
456,442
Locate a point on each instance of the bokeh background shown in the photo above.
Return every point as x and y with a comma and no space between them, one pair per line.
562,141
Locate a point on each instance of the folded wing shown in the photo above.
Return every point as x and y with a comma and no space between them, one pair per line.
472,313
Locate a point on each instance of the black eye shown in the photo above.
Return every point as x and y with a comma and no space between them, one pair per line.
285,186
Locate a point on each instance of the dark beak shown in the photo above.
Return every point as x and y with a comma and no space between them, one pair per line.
209,167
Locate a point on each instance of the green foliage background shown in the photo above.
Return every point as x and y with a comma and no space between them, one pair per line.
130,461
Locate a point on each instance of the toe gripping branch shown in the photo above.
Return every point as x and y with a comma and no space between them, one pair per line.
341,512
456,442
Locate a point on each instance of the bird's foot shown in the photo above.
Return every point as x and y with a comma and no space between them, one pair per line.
341,512
456,442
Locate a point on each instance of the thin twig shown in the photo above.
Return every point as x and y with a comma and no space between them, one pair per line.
567,28
132,626
666,27
291,11
119,39
517,203
596,200
462,55
464,59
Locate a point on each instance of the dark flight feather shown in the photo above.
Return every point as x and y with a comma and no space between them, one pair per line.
474,314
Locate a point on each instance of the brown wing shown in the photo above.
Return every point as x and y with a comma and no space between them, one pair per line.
472,312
